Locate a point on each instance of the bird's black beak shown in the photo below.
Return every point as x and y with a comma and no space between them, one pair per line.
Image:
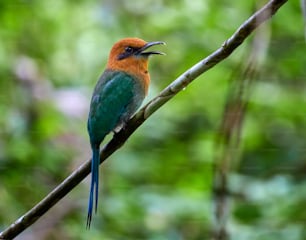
142,52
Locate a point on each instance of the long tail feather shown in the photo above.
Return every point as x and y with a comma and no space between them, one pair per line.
94,186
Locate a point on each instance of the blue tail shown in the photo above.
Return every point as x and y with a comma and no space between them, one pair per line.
94,186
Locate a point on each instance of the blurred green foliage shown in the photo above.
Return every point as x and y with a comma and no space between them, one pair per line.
159,185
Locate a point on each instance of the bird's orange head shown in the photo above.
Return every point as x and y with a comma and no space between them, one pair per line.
130,55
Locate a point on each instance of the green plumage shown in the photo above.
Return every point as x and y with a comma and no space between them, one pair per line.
116,97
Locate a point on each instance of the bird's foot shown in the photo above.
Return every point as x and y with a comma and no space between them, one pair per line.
120,127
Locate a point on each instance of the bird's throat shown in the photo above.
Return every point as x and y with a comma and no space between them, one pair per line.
137,67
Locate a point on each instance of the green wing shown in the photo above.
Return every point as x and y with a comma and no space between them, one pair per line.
116,97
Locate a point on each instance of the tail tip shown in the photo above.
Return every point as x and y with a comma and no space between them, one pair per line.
88,223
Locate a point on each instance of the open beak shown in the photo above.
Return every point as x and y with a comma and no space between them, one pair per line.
142,52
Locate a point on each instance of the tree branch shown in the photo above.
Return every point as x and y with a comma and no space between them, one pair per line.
120,138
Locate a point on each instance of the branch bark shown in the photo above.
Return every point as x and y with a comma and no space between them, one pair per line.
144,113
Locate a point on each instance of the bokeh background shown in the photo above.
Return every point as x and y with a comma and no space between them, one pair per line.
160,184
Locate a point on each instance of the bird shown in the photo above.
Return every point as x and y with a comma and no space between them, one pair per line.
117,95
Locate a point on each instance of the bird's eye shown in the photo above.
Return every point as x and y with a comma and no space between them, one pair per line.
129,49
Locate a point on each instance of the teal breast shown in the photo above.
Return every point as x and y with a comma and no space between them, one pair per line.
116,97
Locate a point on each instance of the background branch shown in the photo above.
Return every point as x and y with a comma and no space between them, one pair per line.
118,140
228,148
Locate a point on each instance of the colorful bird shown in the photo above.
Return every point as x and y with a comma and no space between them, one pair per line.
117,95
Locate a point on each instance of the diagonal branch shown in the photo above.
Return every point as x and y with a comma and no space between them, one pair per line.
120,138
